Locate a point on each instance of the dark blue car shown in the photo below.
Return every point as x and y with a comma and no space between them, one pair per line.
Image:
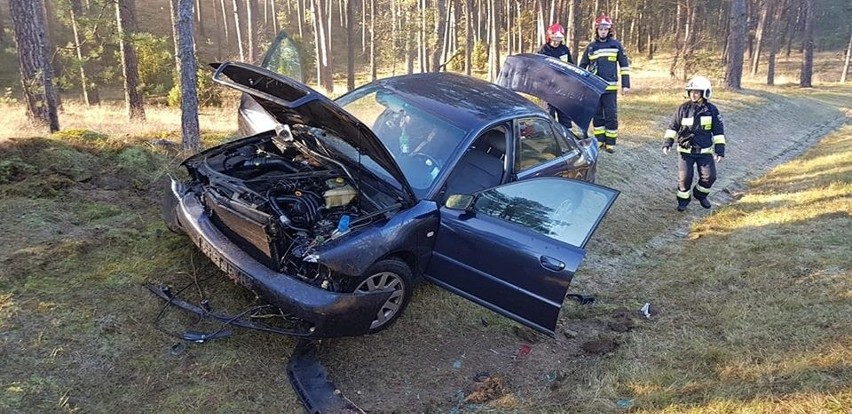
331,211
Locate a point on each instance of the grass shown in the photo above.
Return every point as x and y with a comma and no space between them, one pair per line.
751,310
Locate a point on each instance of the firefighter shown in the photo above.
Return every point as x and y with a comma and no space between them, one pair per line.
554,47
697,128
603,56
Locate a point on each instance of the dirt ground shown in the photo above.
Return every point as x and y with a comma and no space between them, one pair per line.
445,354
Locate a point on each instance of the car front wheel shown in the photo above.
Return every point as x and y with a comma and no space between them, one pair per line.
387,274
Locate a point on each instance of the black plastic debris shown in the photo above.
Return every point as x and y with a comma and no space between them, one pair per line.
312,384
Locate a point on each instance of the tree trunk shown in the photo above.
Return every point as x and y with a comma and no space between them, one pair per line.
126,25
89,98
575,30
807,45
689,40
324,79
846,62
36,73
190,132
51,26
373,68
775,37
764,25
218,30
300,10
238,31
274,18
200,18
251,29
350,44
677,42
736,40
225,23
468,34
438,34
173,8
2,28
494,41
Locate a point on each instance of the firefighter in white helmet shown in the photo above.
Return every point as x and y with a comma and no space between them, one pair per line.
700,136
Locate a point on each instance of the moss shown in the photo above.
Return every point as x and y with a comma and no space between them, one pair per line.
80,135
13,170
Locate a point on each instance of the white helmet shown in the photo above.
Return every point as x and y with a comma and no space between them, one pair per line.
699,83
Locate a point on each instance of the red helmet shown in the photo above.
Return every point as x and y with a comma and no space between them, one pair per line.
555,31
603,22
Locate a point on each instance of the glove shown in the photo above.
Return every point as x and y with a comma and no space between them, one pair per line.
666,150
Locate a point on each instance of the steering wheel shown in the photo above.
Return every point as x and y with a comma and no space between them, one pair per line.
421,169
564,213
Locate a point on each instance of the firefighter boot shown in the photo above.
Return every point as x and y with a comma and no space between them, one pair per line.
683,198
609,148
705,202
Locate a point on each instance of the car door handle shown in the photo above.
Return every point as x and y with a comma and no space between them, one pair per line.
550,263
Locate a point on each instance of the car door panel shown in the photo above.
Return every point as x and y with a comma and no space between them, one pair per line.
483,247
518,248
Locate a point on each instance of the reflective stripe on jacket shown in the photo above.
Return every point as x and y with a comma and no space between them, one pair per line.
603,58
560,52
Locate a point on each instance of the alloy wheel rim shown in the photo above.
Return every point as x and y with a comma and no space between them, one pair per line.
384,281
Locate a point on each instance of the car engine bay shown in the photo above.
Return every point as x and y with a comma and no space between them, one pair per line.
279,198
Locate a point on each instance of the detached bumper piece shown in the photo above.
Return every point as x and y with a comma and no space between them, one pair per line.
165,294
311,383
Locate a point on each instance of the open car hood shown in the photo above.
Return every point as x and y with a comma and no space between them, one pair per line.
291,102
572,90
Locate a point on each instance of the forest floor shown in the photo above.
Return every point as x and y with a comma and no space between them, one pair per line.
80,233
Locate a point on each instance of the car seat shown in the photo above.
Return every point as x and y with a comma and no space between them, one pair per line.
481,167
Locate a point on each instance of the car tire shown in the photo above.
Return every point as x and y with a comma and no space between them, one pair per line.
387,274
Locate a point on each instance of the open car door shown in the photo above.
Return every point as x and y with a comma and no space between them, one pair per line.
572,90
283,57
515,248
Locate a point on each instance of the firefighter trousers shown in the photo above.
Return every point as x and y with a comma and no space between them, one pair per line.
605,121
560,116
686,166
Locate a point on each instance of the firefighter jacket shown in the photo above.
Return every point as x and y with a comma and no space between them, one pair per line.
560,52
603,57
697,128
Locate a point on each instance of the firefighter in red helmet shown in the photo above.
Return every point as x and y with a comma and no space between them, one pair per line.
603,57
554,46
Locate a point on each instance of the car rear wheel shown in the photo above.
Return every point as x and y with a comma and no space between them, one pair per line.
386,274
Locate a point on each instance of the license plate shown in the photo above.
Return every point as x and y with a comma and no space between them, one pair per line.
226,266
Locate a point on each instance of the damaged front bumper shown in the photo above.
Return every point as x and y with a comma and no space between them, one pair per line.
325,313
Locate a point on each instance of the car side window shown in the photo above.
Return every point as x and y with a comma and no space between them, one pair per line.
565,210
537,143
565,139
283,57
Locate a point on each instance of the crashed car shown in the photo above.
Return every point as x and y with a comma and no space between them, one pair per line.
332,211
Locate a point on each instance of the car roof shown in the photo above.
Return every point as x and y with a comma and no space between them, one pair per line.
464,101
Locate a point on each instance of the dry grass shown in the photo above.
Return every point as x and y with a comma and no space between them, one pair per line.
110,119
751,308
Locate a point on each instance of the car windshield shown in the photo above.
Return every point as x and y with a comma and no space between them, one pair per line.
420,143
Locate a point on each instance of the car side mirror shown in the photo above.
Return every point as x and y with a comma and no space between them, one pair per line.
460,202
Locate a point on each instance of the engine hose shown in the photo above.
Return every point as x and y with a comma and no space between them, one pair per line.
309,211
268,163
